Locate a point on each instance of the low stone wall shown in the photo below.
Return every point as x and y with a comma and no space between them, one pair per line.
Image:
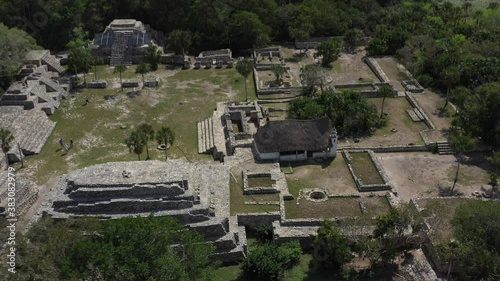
359,183
254,220
130,84
373,93
375,67
99,84
413,86
258,190
414,103
391,148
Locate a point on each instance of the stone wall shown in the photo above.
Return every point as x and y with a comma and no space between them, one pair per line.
362,187
375,67
414,103
257,219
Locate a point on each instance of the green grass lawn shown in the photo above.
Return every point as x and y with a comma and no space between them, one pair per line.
237,200
365,169
183,98
336,208
260,182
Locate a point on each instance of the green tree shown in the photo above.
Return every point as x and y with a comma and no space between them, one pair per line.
493,5
476,228
451,76
269,261
142,69
352,38
350,112
80,57
398,230
331,248
96,61
494,161
14,47
311,76
460,143
119,69
136,142
245,68
328,51
279,70
179,41
165,136
148,133
247,31
6,138
152,57
385,91
151,248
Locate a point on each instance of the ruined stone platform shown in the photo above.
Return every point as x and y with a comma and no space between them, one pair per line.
196,194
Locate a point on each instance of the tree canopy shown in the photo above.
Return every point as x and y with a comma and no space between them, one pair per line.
121,249
476,250
348,111
14,45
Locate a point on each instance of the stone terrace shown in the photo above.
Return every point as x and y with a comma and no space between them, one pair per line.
31,128
197,194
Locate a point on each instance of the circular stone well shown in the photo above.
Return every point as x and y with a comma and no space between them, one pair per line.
317,195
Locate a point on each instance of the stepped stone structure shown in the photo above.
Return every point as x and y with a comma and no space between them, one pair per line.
25,195
31,129
196,194
124,41
39,85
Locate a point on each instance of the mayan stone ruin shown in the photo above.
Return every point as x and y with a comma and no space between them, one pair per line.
196,194
124,41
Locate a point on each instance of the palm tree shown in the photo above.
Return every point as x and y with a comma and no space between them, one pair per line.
278,71
245,67
460,144
119,69
6,138
142,69
165,136
384,91
96,61
136,142
148,133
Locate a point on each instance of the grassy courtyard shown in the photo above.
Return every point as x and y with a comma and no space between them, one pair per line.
237,202
365,169
183,98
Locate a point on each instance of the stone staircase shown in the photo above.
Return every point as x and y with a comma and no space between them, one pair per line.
53,63
26,193
53,85
444,148
119,52
415,115
206,140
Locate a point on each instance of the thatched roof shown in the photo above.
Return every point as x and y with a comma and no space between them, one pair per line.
294,135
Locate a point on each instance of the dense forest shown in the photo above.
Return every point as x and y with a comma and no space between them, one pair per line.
451,47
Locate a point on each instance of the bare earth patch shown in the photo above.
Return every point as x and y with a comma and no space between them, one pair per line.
406,132
352,68
421,174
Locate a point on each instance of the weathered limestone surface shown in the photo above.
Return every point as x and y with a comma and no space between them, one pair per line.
31,128
195,193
